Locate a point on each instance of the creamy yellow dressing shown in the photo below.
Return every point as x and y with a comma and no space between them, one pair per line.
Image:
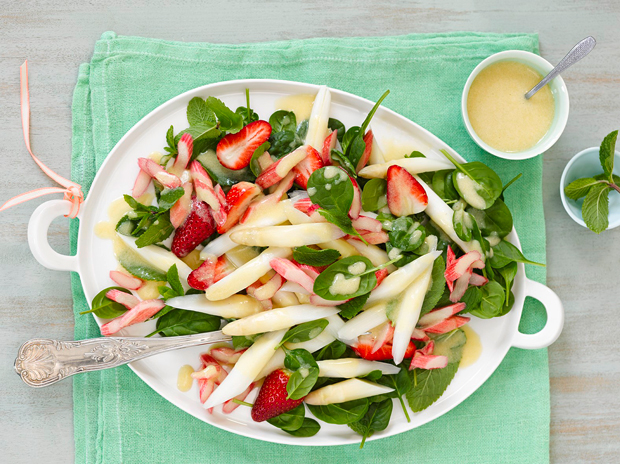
117,209
300,104
193,259
149,290
184,379
499,112
472,349
343,286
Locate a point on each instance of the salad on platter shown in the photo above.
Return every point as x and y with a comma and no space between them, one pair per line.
344,279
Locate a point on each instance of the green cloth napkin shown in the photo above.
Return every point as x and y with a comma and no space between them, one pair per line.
118,419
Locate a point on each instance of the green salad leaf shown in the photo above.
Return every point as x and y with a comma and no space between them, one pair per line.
312,257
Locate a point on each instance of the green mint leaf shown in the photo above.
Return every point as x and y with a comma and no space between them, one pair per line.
158,231
172,146
352,308
229,121
341,220
104,307
401,383
312,257
198,112
377,418
169,197
607,153
173,279
304,332
595,208
580,187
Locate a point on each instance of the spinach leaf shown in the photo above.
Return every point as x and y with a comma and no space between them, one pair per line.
137,267
376,419
472,299
246,112
508,273
430,384
492,302
198,112
335,124
339,271
291,420
496,220
303,332
343,162
505,252
282,143
283,120
182,322
510,182
341,413
487,183
308,428
229,121
312,257
607,154
168,197
158,231
351,308
254,167
335,350
305,373
104,307
348,137
595,208
443,186
243,341
372,112
462,221
331,189
405,234
438,283
355,150
302,131
374,194
401,383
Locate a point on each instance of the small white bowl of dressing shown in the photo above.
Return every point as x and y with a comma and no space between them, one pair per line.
497,115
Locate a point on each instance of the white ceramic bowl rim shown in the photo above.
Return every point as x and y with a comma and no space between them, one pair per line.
560,95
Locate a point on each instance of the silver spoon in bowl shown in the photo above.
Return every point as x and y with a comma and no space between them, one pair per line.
577,53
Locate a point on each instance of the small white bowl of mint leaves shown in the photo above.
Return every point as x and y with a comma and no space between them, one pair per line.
590,186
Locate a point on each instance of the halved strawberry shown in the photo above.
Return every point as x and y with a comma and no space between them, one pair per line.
181,209
328,146
238,199
405,195
235,151
307,166
367,151
271,400
198,226
139,313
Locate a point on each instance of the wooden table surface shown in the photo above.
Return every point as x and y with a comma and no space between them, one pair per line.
57,35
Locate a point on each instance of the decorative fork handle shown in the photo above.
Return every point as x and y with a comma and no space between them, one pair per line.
41,362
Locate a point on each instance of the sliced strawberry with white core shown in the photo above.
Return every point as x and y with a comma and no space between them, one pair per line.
125,280
157,172
287,269
238,199
367,151
356,205
204,186
185,147
126,299
278,170
139,313
405,195
307,166
440,314
328,146
421,361
448,325
181,209
477,280
143,180
235,151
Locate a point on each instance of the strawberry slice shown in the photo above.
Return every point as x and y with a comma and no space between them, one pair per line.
238,199
181,209
125,280
367,151
198,226
307,166
328,146
364,350
235,151
139,313
209,272
185,147
271,400
405,195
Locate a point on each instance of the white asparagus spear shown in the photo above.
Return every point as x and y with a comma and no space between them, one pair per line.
249,364
235,306
159,258
396,282
246,275
319,117
347,390
412,165
363,322
375,254
278,318
295,216
441,214
283,299
348,368
222,244
287,236
408,312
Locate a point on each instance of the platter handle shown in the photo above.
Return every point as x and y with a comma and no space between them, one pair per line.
37,236
555,318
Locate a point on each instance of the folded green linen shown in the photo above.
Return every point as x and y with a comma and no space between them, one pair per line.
119,419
